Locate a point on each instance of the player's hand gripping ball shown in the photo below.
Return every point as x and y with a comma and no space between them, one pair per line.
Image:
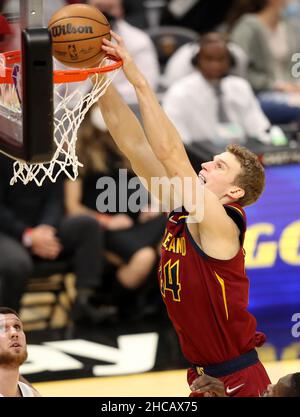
77,31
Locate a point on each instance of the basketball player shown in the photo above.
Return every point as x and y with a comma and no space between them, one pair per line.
287,386
202,270
13,353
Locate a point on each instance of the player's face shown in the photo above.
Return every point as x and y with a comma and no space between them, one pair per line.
13,349
214,61
219,174
279,389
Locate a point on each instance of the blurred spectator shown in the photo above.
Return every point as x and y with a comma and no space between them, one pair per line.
199,15
139,45
129,239
180,64
34,233
211,105
270,42
241,7
13,353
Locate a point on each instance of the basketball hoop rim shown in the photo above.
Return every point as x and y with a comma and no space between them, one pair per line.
59,76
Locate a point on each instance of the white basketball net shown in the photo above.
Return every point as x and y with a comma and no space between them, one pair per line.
71,103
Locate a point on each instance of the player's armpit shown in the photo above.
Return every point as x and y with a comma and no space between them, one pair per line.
215,217
216,234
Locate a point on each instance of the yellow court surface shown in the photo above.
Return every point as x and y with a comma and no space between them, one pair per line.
151,384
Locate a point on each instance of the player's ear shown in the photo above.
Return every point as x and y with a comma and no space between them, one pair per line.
235,192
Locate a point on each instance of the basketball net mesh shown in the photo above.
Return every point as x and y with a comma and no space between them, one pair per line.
71,103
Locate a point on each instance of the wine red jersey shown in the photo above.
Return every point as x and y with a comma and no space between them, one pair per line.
206,298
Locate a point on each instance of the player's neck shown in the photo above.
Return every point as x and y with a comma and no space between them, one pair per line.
9,378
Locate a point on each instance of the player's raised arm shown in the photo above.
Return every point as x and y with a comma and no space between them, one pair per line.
169,150
161,133
129,136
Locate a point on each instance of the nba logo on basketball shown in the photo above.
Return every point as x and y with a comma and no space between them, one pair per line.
77,31
72,52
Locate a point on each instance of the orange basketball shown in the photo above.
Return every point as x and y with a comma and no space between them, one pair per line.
77,31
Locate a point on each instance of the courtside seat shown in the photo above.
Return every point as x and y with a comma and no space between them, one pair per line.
47,292
167,39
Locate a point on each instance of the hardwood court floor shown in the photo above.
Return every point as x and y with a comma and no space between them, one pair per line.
151,384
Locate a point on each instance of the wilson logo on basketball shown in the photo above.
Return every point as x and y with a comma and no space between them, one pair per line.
69,29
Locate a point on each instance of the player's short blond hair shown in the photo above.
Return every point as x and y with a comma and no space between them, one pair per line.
8,310
252,176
